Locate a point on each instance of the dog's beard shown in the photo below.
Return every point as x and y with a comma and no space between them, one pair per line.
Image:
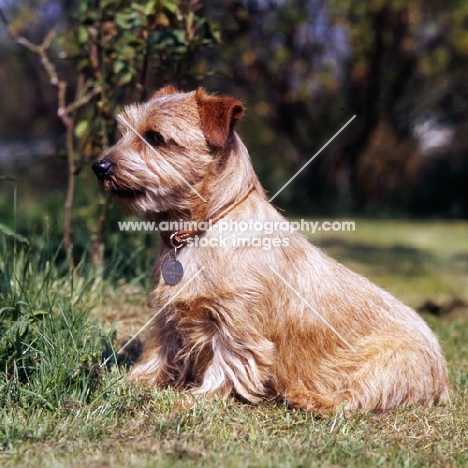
121,191
127,194
131,202
128,198
138,201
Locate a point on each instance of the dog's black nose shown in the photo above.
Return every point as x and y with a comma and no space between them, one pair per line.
102,169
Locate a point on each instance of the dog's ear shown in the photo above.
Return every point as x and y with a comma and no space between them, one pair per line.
218,116
169,89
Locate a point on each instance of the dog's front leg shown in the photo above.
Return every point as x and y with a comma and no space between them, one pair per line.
238,367
159,365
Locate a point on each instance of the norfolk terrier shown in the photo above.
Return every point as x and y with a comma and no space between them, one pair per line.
285,322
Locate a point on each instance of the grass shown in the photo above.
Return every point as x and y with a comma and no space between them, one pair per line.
413,260
60,408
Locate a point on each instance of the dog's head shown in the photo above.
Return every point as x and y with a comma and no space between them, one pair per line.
169,145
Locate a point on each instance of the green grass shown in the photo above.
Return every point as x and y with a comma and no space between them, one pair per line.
413,260
60,408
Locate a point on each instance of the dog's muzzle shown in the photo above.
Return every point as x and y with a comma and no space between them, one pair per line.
103,169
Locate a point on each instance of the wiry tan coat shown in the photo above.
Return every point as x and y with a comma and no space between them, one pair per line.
287,322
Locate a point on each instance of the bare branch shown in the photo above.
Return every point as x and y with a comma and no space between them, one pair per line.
81,102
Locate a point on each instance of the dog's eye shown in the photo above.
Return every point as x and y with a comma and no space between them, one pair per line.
154,138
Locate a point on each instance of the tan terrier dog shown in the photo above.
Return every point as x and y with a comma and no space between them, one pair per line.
245,320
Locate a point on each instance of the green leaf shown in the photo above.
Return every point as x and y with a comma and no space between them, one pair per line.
126,20
125,79
82,35
80,128
139,8
7,309
189,21
119,66
150,8
37,315
169,5
23,328
180,35
104,4
127,52
5,230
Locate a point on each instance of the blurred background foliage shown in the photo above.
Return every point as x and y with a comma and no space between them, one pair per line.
303,68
